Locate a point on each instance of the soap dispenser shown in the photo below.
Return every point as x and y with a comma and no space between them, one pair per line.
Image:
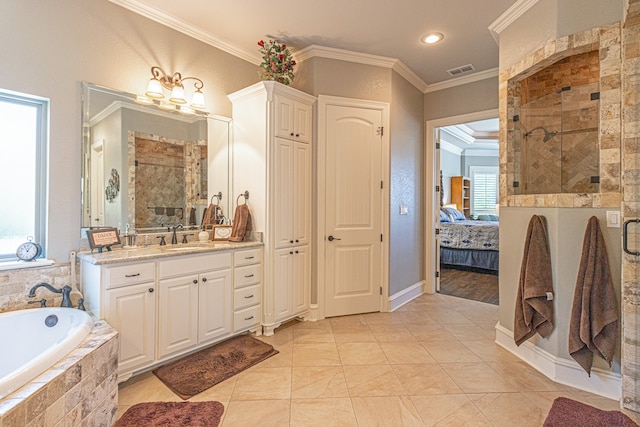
203,236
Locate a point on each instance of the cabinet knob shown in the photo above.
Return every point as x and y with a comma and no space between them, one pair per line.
291,133
151,290
204,279
290,252
290,241
297,241
297,252
132,275
297,135
195,281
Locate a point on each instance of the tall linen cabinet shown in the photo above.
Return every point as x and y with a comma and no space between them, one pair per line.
273,138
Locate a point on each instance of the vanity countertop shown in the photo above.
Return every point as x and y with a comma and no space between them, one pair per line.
156,251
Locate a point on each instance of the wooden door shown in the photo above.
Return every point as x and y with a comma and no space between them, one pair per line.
178,308
353,211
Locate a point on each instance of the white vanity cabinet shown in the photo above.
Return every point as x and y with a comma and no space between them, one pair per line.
247,289
273,140
194,301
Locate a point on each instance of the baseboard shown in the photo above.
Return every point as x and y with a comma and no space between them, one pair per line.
561,370
313,313
406,295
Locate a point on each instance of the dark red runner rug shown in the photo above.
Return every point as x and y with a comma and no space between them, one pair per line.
570,413
172,414
199,371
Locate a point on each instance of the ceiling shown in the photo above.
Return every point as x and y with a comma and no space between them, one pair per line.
471,137
391,29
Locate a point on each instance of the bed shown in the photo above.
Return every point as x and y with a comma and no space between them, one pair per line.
466,243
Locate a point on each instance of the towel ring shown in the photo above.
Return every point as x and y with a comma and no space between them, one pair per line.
245,195
217,196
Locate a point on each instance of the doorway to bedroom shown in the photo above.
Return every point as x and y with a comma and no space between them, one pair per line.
467,209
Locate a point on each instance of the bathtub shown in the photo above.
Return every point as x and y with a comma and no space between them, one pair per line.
35,340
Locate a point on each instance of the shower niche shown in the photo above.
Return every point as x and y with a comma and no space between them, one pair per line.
553,141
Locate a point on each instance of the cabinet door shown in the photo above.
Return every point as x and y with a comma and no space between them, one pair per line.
131,310
301,202
282,190
178,318
215,305
303,127
284,117
282,284
301,278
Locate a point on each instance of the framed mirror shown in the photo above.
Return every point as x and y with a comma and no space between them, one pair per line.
146,168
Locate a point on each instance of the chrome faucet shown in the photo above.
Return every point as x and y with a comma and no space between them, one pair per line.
174,237
65,291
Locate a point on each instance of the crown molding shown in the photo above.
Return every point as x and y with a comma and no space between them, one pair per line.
507,18
447,146
475,77
187,29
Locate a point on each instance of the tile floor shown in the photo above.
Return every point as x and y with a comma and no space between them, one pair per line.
433,362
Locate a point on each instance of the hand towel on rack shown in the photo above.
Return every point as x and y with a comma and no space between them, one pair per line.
241,223
594,316
208,217
534,312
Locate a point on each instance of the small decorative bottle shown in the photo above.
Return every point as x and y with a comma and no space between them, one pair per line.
203,236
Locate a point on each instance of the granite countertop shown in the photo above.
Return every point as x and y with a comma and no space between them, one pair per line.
156,251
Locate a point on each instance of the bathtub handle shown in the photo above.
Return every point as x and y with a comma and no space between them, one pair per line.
151,289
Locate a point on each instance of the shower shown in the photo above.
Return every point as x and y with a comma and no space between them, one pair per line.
547,134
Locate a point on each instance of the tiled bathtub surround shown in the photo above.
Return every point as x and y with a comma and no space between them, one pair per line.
607,42
79,390
15,285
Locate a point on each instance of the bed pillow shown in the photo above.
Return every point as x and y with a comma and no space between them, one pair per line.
444,217
455,214
488,217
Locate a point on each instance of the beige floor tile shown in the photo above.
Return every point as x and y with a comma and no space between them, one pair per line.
353,333
416,317
355,320
372,380
318,382
263,413
455,410
322,413
524,377
145,387
449,317
489,351
320,324
263,383
322,354
451,352
386,411
430,333
389,332
469,332
510,409
312,335
220,392
361,353
424,379
404,353
282,336
284,358
381,319
477,378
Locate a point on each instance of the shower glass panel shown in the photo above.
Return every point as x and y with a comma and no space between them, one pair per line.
556,142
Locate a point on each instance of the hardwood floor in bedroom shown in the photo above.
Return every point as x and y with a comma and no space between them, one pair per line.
473,285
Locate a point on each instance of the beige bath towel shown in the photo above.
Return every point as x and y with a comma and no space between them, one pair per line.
241,223
534,312
594,315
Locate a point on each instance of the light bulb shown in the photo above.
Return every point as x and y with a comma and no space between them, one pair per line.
177,95
154,90
197,101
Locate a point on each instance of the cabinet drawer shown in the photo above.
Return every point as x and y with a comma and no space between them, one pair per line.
250,256
130,274
246,297
248,275
245,319
180,266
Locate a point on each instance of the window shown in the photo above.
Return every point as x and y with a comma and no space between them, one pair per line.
484,189
23,170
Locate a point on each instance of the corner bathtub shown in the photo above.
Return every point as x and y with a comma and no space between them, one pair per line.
35,339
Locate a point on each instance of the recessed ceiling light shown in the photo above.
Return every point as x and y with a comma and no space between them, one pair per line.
432,38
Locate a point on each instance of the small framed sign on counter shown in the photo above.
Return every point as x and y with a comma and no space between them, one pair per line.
221,232
103,238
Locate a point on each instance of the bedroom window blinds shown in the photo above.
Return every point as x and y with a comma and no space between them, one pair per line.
484,189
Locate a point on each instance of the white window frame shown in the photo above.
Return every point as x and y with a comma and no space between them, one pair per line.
494,170
41,170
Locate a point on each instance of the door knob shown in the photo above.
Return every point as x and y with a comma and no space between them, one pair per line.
331,238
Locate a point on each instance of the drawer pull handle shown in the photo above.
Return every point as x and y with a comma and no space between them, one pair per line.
248,318
132,275
151,290
249,257
248,296
248,275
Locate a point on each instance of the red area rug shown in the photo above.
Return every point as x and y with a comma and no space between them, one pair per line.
172,414
570,413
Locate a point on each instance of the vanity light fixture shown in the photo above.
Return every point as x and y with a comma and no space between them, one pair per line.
432,38
160,81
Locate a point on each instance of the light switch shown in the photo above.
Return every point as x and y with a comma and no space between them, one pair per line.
613,219
404,210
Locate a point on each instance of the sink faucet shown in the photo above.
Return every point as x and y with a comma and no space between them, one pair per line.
65,291
174,237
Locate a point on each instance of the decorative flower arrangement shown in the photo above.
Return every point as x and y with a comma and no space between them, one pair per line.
277,63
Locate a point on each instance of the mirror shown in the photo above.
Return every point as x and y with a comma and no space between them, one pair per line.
150,168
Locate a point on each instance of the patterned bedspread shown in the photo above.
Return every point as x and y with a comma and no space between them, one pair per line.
482,235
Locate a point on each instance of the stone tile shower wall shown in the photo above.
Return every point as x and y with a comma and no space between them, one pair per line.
562,98
606,42
631,207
